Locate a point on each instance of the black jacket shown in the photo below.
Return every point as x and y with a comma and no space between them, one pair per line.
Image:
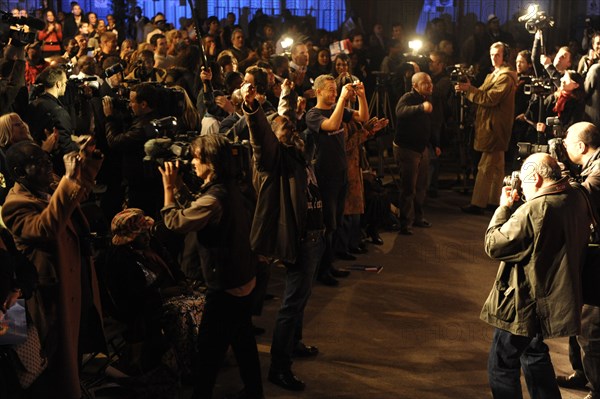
47,112
281,182
130,145
413,127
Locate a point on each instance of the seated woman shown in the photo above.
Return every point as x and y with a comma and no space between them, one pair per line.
149,294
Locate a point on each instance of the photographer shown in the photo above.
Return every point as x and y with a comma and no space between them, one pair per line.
566,103
592,57
583,148
43,214
110,175
537,291
145,71
12,79
557,67
592,95
221,222
324,122
47,112
495,99
143,184
288,223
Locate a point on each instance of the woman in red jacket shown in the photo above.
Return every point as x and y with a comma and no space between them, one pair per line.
51,36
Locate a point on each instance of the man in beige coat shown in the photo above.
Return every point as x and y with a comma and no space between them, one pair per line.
495,99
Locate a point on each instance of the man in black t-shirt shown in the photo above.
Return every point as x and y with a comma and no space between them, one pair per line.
324,122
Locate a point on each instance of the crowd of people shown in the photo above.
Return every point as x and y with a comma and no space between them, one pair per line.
145,168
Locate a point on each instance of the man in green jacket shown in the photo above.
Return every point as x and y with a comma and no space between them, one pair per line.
537,292
495,100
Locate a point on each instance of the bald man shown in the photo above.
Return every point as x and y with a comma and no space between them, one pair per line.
537,291
411,141
583,148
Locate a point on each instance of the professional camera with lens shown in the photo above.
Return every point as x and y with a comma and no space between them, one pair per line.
461,73
539,86
555,148
114,69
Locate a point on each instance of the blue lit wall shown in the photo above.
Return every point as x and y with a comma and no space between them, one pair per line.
329,14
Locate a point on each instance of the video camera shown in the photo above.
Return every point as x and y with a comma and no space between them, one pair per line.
540,86
536,20
382,78
113,70
461,73
169,146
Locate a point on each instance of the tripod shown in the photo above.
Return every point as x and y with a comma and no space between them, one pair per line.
464,139
380,106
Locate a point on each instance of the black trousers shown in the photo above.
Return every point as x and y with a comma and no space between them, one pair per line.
226,321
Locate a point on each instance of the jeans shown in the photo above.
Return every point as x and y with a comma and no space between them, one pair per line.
298,285
333,188
226,321
508,354
590,344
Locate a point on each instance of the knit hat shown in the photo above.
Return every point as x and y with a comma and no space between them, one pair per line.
128,224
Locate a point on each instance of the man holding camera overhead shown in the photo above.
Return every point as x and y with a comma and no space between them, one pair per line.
495,99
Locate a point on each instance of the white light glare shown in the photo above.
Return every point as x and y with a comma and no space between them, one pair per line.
287,42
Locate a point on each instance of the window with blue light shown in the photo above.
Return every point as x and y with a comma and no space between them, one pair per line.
329,14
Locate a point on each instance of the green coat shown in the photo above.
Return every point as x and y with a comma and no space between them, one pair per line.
495,100
540,246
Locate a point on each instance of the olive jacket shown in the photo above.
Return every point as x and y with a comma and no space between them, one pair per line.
540,246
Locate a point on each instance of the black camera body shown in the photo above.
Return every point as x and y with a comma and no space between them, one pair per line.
461,73
113,70
539,21
382,78
514,182
539,86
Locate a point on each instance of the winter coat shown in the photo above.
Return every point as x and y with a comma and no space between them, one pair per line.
51,233
541,247
495,112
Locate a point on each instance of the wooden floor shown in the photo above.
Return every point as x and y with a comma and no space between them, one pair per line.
411,331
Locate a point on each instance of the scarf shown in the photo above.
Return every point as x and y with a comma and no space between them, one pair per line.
561,101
